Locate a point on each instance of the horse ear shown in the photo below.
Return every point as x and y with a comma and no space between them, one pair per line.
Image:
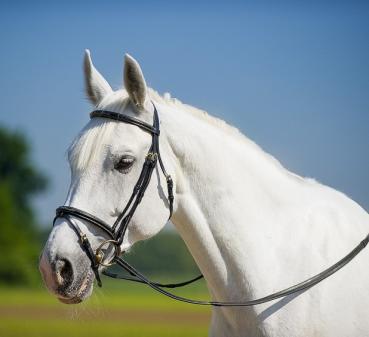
95,84
134,81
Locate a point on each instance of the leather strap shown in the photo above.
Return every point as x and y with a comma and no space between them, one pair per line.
62,211
161,285
117,231
125,119
85,243
310,282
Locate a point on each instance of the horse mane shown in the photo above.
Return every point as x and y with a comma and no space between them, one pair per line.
90,140
200,114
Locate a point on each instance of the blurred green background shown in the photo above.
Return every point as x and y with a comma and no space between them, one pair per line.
26,309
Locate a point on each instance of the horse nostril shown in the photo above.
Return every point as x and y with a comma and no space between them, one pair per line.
64,272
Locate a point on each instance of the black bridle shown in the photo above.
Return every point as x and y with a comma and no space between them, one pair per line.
117,231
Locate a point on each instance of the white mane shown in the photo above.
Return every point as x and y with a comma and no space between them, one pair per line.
89,142
201,114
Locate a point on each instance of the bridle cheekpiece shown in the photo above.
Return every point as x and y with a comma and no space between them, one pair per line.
117,231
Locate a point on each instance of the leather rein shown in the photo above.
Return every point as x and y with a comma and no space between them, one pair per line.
117,231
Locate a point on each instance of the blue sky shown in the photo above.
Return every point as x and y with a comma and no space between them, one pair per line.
293,76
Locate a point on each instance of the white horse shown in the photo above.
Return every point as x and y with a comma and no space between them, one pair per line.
252,226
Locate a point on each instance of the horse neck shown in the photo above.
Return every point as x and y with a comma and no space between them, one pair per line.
222,186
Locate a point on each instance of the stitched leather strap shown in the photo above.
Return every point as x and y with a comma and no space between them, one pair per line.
310,282
125,119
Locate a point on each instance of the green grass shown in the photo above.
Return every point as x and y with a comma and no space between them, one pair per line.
15,328
118,309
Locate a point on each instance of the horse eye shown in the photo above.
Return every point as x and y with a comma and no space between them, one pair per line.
124,164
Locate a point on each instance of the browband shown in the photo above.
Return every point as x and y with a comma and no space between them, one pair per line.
125,119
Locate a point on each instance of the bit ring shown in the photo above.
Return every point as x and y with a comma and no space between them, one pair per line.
99,254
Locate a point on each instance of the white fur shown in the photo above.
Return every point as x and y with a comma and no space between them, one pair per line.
252,226
96,85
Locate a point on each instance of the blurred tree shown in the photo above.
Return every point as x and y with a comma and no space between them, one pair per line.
19,181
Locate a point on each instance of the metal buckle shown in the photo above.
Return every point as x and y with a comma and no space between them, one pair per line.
99,254
152,156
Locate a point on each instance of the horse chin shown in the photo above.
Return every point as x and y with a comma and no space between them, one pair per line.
84,291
